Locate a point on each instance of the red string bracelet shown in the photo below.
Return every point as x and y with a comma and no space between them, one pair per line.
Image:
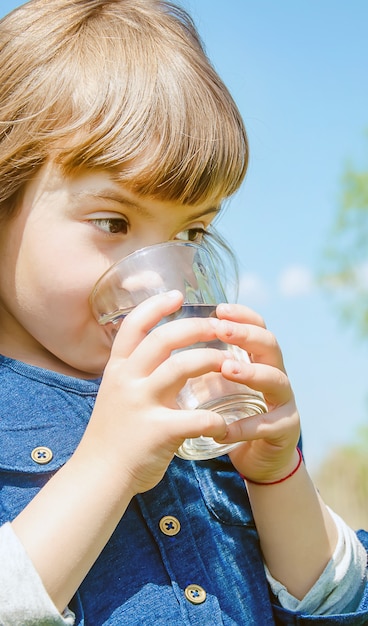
276,482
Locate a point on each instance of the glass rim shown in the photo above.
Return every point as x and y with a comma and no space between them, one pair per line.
139,251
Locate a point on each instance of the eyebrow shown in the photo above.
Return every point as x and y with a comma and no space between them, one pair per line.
121,198
107,194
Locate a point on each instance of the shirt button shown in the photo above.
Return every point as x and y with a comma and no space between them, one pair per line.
41,455
169,525
195,594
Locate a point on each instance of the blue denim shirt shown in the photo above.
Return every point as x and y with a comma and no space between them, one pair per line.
186,552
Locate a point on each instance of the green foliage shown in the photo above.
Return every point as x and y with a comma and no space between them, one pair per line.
343,475
345,265
342,480
362,439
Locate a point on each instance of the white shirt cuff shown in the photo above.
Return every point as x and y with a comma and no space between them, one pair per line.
23,598
341,585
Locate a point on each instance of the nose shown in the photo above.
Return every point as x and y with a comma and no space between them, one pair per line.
142,242
152,240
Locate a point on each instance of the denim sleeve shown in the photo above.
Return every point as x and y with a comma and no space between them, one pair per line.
357,617
23,598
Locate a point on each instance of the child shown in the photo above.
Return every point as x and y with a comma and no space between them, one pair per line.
117,133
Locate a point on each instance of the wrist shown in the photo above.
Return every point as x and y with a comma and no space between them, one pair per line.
283,478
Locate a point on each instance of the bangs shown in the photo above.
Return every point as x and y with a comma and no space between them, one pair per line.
121,85
166,125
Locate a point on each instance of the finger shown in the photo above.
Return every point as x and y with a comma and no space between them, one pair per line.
239,313
195,423
170,377
142,319
255,340
272,382
277,426
158,345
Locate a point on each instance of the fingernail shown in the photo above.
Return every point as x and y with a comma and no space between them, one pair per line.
225,307
234,365
174,294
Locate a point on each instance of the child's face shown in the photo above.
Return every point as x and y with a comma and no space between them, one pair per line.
68,231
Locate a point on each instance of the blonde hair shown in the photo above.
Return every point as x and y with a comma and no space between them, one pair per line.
119,84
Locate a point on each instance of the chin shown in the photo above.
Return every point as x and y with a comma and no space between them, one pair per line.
89,367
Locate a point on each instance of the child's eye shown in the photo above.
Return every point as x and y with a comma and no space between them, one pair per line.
192,234
112,225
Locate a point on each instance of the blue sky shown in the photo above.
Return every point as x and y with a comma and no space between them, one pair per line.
298,71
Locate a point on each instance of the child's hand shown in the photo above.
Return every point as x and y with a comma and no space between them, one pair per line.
268,453
136,426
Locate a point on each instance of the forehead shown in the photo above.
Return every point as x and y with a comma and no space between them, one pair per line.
104,186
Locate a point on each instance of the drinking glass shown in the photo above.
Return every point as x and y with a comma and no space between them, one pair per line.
188,267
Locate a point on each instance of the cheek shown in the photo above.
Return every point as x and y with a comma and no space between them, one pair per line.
54,281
